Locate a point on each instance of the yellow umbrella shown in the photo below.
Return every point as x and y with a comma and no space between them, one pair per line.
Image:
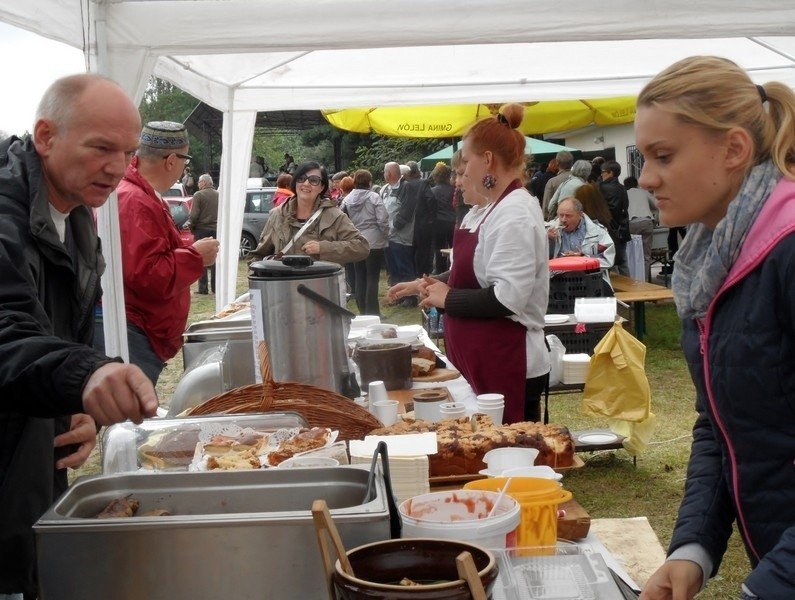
449,120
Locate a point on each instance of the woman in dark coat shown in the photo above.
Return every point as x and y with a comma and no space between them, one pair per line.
720,158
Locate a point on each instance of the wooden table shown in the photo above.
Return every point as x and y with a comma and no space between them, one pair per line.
633,543
638,293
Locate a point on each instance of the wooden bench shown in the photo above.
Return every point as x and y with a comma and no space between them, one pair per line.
637,294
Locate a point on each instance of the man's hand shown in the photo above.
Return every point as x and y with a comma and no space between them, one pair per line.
83,434
674,580
116,392
208,248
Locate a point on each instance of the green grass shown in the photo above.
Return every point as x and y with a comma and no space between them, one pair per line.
609,485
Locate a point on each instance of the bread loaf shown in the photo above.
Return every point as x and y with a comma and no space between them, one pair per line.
462,443
422,366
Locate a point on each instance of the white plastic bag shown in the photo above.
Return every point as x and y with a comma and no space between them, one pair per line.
556,352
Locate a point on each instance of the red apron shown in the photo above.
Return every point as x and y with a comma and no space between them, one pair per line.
490,353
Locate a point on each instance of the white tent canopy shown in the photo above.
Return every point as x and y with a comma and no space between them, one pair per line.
245,56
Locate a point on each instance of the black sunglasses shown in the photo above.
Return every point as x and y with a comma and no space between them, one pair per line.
312,179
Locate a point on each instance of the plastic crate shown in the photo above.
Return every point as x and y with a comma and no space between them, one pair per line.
564,288
582,343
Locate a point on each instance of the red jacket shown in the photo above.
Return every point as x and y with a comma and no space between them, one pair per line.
158,269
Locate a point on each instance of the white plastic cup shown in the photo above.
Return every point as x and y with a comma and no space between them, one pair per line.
362,401
376,392
452,410
487,399
493,411
385,411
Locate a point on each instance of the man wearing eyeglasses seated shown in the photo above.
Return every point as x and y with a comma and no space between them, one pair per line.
573,233
310,223
158,269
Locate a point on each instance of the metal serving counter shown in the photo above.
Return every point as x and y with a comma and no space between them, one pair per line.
241,534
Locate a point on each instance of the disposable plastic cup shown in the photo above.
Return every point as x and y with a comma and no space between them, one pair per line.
385,411
452,410
495,412
376,391
486,399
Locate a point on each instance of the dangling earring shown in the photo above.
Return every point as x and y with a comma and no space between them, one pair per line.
489,181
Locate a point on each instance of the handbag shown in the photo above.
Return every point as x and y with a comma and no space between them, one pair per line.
616,386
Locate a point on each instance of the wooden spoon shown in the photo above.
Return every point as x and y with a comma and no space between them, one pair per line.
323,523
469,572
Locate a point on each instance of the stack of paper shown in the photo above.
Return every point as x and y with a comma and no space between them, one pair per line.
575,368
408,460
409,475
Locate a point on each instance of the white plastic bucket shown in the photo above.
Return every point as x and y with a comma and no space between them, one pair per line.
462,515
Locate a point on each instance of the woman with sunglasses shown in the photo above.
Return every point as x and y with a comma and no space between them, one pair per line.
330,235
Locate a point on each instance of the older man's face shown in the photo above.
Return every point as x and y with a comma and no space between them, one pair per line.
85,159
569,217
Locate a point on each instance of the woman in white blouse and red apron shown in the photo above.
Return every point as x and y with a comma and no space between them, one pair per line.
496,292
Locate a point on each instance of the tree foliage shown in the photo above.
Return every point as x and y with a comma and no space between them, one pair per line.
382,149
331,147
163,101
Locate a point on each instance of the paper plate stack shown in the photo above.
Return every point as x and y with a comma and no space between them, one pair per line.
409,474
575,368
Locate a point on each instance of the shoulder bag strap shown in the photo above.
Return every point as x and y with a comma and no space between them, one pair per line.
301,231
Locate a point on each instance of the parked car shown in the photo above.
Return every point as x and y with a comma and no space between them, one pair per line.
177,191
180,212
259,202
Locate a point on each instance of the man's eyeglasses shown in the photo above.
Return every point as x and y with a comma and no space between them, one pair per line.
312,179
186,157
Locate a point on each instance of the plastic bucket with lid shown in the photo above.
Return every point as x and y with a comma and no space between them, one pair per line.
462,515
539,500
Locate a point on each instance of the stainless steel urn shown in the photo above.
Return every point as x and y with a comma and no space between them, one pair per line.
302,321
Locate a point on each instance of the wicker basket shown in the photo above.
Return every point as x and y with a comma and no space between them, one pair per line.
321,408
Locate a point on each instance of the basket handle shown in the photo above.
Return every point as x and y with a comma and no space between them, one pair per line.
266,400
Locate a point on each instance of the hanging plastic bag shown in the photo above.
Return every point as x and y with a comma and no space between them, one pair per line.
636,435
556,352
616,386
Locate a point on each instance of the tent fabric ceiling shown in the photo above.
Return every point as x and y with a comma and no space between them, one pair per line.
247,56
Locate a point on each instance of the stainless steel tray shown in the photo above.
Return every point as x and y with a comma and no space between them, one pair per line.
241,534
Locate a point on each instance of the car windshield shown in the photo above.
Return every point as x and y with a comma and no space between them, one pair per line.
174,192
179,212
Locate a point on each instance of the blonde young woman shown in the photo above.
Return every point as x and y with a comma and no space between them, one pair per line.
496,291
719,155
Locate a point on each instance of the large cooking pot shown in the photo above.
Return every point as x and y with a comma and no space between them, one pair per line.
379,568
298,302
387,362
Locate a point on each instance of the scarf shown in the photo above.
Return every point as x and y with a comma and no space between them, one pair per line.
706,257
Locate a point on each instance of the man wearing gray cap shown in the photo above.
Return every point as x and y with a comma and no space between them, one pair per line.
158,269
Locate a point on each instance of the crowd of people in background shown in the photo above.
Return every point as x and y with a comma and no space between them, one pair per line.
408,222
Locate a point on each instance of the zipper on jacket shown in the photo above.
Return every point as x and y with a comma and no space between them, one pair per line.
704,327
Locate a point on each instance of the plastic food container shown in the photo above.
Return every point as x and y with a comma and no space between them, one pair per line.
500,459
539,500
462,515
121,444
304,462
595,310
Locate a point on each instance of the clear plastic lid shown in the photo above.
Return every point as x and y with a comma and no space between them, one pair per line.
170,444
